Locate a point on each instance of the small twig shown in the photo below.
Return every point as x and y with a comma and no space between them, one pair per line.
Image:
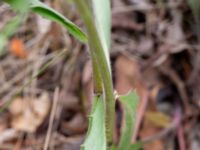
7,134
181,138
125,9
3,75
174,125
7,85
140,115
180,86
37,65
7,103
15,79
51,119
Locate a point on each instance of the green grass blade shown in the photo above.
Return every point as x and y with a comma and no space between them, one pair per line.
136,146
8,30
53,15
19,5
195,8
102,15
96,138
49,13
129,103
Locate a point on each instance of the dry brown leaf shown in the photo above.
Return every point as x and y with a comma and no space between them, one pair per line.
8,135
27,114
158,118
75,126
150,130
124,69
43,25
174,31
3,122
17,48
87,83
128,76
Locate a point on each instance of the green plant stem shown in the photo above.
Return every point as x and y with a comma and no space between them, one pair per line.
98,87
100,62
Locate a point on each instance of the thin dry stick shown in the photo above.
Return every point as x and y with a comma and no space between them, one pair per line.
124,9
7,85
7,103
174,125
37,65
3,75
51,119
141,112
181,138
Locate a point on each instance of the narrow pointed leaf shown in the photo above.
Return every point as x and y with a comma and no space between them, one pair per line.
136,146
195,6
129,104
49,13
102,15
53,15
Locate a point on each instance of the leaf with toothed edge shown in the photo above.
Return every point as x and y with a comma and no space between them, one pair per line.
96,138
129,103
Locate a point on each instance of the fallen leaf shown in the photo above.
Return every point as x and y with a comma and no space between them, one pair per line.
3,122
128,76
27,114
43,25
8,135
147,130
77,125
158,118
17,48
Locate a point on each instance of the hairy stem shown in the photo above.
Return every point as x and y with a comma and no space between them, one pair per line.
101,66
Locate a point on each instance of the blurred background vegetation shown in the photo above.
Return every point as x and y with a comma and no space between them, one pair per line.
155,50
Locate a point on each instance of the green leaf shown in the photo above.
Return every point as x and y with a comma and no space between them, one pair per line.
53,15
49,13
8,30
19,5
195,6
102,15
136,146
129,104
96,138
2,44
114,147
